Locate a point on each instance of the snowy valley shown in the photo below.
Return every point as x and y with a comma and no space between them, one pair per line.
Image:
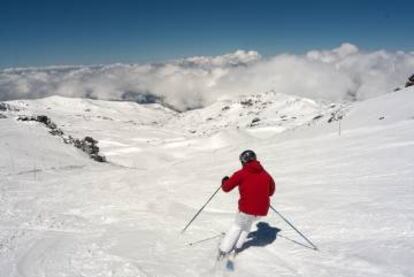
344,174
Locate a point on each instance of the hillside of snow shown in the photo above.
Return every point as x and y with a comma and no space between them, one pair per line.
346,184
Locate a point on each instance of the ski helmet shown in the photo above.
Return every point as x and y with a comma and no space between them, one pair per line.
247,156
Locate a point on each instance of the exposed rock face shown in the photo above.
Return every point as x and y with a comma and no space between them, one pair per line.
318,117
247,103
336,116
42,119
410,81
255,121
87,145
2,116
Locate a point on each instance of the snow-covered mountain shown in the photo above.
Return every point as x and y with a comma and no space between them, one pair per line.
344,176
268,112
276,111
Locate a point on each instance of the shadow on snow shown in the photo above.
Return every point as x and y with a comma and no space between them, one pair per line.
264,235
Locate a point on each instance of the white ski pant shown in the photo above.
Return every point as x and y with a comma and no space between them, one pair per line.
237,234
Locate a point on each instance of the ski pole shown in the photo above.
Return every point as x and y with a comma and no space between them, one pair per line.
199,211
294,228
206,239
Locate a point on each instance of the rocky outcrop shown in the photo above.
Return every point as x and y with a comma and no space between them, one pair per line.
247,102
54,130
87,145
336,116
410,81
319,116
255,122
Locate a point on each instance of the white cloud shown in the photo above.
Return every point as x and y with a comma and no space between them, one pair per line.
341,73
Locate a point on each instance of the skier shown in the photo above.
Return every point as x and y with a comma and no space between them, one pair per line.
255,188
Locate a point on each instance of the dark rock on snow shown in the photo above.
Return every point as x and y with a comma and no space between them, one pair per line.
410,81
41,119
335,117
87,145
247,102
255,121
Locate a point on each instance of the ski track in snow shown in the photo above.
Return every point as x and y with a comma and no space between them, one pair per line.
66,215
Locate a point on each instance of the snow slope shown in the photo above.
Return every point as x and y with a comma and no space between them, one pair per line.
271,111
66,215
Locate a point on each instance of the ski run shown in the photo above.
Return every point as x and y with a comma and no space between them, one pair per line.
344,174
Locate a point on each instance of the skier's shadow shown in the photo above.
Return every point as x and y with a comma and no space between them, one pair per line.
264,235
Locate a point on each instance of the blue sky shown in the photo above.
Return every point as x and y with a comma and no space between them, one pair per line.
36,33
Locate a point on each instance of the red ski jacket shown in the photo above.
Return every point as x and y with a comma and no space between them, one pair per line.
255,188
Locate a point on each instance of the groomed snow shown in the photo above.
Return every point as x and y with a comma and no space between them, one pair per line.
62,214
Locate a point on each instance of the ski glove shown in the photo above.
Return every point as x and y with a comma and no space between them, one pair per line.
225,178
